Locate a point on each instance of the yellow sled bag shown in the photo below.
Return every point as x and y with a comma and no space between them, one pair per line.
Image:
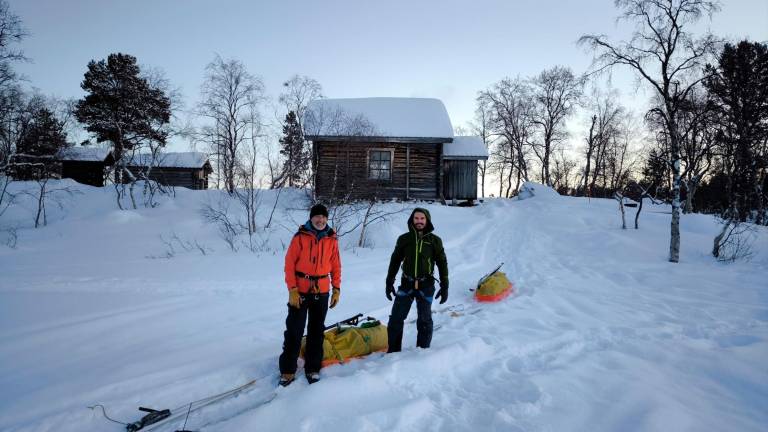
347,342
495,288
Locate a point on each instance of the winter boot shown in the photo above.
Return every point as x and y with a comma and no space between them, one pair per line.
313,377
286,379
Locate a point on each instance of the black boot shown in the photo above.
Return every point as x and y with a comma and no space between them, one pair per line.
286,379
313,377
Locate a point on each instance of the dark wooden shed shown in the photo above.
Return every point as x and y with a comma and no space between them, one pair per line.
86,165
460,159
184,169
383,148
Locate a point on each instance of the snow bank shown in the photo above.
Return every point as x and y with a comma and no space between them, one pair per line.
531,189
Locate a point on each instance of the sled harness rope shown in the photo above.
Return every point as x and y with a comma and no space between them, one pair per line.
156,416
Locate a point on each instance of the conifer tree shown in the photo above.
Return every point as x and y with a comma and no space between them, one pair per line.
293,150
45,136
121,106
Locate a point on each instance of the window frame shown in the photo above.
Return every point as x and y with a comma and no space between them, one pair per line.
369,169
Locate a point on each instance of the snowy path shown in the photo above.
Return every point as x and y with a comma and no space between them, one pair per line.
603,334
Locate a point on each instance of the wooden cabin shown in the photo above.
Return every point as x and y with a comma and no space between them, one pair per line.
185,169
381,148
86,165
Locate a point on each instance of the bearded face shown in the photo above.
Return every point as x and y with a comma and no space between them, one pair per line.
419,221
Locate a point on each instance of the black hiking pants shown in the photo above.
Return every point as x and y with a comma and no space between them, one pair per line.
316,307
406,294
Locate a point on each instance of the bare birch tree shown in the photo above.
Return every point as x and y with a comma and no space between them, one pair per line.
230,97
557,92
666,56
511,125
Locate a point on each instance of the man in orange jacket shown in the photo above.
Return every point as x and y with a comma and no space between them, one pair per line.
312,267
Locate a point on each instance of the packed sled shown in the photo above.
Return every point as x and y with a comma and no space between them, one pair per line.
350,339
493,287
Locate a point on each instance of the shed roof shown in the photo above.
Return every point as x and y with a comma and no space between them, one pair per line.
171,160
389,117
465,147
84,154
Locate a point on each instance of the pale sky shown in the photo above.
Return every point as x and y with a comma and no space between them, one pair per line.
446,49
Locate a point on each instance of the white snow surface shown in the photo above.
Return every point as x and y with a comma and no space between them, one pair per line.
465,146
389,116
602,334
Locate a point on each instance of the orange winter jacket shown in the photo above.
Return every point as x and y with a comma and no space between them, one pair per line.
313,257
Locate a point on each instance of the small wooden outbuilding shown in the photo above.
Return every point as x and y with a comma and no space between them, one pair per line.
460,159
185,169
86,165
381,148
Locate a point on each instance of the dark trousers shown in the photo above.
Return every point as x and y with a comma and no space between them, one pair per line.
405,296
316,306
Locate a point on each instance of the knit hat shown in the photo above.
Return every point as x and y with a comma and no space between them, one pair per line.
318,209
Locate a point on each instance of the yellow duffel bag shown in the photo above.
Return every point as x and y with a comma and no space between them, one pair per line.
343,343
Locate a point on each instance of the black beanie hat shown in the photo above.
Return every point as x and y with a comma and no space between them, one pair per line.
318,209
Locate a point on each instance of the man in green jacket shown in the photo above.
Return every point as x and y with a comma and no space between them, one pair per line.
418,250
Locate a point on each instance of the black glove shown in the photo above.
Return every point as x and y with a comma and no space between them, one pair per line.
390,291
442,294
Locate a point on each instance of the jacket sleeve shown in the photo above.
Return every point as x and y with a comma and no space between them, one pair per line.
394,261
441,260
336,266
290,262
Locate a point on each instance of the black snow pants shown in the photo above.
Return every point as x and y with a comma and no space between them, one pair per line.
316,306
406,294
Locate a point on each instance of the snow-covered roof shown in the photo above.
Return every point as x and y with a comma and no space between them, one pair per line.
84,154
378,117
465,147
171,160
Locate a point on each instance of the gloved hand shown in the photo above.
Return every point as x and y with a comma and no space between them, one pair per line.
293,298
442,294
390,291
335,297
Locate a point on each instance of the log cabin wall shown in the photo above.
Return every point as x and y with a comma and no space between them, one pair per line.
191,178
342,170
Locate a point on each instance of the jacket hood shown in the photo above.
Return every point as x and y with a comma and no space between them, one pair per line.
427,229
309,229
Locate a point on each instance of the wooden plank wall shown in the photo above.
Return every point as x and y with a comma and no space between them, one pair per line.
184,177
90,173
342,169
460,179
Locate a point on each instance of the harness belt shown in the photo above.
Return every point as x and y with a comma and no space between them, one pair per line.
313,286
417,280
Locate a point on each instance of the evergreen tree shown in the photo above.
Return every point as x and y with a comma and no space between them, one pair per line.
293,150
656,174
121,106
738,87
45,136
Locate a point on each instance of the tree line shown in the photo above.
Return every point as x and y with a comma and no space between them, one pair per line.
701,145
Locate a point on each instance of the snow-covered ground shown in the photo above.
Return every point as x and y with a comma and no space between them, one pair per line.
603,333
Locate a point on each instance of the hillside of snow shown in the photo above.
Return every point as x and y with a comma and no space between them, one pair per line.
150,307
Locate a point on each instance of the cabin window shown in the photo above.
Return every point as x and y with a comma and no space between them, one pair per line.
380,165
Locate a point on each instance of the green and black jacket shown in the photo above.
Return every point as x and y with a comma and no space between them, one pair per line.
418,253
